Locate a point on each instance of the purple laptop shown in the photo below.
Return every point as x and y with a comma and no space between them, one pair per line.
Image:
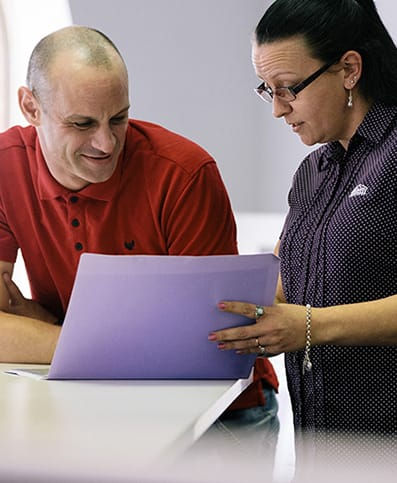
148,317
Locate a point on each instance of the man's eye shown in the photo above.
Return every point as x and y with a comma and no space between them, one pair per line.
82,125
119,120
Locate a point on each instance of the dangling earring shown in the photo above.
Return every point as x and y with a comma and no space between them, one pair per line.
350,99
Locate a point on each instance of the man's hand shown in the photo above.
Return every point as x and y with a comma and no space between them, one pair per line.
19,305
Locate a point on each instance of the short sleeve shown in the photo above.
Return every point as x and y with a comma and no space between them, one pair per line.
201,222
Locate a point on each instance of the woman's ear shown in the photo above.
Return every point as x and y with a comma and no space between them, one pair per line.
29,106
352,65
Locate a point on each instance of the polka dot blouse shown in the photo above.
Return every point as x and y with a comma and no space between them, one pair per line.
339,246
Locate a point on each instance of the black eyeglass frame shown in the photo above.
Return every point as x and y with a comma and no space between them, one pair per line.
294,90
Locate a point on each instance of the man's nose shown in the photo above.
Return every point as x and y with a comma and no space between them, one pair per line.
280,107
104,140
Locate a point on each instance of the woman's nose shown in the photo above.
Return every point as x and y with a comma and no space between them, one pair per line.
280,107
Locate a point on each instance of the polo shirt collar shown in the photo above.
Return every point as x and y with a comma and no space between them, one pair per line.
49,188
373,128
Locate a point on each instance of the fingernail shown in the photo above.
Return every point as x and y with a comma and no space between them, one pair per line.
212,337
221,346
221,306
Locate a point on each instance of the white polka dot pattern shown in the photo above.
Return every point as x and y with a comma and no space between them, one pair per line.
339,246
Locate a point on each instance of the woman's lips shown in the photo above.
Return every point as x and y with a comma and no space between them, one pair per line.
296,126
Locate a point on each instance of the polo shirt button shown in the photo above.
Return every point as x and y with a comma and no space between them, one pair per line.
75,222
78,246
74,199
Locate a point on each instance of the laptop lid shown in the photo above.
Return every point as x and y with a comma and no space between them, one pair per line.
148,317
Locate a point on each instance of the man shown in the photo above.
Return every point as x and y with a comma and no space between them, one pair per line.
85,178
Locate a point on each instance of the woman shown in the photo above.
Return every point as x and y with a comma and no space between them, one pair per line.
329,67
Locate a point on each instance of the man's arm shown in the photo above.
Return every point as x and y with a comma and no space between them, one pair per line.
23,339
201,221
5,267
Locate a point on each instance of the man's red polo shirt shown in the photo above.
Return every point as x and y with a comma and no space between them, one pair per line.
166,197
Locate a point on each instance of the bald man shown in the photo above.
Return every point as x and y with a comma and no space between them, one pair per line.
83,177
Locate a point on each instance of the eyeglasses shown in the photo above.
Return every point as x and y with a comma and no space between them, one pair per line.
288,94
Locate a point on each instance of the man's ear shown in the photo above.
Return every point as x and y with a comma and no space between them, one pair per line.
29,106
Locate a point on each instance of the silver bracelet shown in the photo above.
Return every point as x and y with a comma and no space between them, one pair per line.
307,365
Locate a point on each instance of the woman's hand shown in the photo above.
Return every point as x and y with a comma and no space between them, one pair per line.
282,328
19,305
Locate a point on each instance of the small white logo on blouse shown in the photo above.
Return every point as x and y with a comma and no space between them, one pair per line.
359,190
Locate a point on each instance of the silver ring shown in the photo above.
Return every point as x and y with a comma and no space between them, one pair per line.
259,311
262,350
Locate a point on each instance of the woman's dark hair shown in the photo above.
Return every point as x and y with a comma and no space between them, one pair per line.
332,27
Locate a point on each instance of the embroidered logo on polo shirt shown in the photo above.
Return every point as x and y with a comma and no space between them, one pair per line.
129,245
359,190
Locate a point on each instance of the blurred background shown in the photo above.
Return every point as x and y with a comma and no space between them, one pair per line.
190,70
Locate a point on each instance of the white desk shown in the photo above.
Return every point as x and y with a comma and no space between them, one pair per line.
102,430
